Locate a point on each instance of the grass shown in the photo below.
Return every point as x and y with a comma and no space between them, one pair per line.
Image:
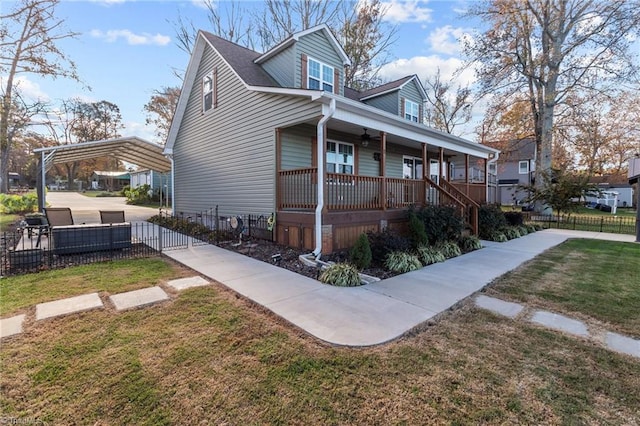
96,194
209,356
21,291
8,219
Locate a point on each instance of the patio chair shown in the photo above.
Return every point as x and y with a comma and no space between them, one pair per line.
58,216
112,216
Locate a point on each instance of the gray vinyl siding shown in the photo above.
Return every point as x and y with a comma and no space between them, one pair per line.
410,92
318,47
226,156
282,68
296,147
389,102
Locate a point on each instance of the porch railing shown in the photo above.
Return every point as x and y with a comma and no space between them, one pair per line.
297,190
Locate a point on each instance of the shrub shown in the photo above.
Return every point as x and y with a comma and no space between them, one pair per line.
360,253
385,242
441,223
538,227
449,249
523,230
14,204
341,275
469,243
138,195
511,233
417,231
402,261
514,218
490,220
429,255
531,229
498,237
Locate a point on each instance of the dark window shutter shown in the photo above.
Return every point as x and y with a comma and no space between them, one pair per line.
215,87
303,71
402,107
420,114
336,81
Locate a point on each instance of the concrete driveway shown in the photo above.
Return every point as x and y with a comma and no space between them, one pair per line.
87,209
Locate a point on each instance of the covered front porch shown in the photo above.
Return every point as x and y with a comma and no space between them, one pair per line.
368,170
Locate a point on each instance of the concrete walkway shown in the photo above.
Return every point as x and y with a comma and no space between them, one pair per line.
378,312
356,316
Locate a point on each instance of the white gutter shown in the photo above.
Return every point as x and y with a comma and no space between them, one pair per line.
320,150
493,160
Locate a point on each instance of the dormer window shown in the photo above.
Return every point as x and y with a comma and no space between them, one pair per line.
411,111
320,76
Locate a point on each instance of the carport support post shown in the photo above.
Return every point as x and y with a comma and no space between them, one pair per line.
41,184
638,210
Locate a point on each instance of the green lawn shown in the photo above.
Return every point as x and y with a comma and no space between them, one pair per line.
210,357
598,279
7,219
21,291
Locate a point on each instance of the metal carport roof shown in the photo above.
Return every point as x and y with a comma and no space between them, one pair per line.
134,150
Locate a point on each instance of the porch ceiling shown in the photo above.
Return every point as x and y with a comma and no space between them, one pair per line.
357,130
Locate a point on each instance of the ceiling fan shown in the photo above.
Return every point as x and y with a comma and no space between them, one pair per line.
365,138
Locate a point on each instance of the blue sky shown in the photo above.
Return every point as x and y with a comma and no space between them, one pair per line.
127,49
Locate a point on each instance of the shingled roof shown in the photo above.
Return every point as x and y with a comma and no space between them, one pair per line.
387,87
241,60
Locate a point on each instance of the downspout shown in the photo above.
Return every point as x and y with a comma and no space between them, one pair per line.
173,186
493,160
321,181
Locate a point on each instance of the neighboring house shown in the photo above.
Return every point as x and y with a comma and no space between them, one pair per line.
514,168
279,133
110,181
156,180
612,183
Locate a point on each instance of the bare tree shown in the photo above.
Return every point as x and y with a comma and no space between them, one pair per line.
445,109
160,110
549,48
28,44
366,39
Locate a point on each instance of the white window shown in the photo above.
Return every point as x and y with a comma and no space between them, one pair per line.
492,168
523,167
411,111
340,158
320,76
411,167
207,92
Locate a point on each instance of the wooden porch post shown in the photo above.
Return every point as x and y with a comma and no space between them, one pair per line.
466,173
425,172
486,182
441,152
278,167
383,166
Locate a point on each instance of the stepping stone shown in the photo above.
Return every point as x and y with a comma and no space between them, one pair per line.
137,298
68,306
620,343
11,326
508,309
560,322
185,283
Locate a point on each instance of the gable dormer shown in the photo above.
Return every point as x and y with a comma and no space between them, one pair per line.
310,59
404,97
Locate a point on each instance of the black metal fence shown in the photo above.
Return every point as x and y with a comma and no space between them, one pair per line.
611,224
209,227
36,249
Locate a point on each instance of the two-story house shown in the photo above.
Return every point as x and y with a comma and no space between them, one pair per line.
514,170
278,132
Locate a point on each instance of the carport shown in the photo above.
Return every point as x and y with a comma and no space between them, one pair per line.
133,150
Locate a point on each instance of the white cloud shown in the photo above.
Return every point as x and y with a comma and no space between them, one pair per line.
204,4
427,66
399,11
131,38
448,40
28,89
142,130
